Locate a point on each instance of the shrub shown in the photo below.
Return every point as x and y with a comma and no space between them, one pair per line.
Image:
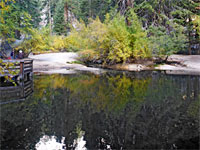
138,38
88,55
42,41
112,41
196,23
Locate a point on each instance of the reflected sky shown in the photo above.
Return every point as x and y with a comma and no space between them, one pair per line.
50,143
117,110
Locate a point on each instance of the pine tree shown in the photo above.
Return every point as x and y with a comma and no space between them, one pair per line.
167,13
84,9
59,19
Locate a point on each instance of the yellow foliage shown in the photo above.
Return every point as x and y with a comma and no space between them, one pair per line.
42,41
4,8
112,41
59,43
88,55
196,22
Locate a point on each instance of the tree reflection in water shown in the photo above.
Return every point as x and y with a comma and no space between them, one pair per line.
114,110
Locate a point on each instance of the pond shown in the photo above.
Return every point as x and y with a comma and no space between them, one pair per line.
114,110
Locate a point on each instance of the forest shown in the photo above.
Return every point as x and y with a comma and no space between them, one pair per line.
103,31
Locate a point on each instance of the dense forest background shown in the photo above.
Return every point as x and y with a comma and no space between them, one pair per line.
112,31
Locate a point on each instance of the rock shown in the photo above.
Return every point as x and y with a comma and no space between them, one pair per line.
129,67
6,48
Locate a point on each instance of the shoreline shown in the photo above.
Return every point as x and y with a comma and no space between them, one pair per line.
63,63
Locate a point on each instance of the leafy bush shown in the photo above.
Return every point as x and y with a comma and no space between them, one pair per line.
112,41
42,41
196,23
88,55
138,38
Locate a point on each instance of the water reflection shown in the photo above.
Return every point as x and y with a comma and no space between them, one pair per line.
114,110
50,143
15,91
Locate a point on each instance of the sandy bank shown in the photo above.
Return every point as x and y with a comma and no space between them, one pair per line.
60,63
63,63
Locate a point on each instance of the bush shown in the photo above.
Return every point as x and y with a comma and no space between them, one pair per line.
42,41
112,41
196,23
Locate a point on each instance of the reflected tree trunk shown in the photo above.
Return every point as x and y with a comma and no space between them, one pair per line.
50,21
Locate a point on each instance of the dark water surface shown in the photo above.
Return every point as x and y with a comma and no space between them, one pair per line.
147,110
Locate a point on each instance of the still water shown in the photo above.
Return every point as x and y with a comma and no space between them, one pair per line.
114,110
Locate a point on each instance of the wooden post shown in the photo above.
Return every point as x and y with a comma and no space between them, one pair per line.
22,69
31,65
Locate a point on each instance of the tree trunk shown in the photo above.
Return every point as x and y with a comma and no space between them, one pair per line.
129,5
189,34
66,15
50,22
90,8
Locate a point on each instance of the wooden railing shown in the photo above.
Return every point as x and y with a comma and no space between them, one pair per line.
22,68
17,92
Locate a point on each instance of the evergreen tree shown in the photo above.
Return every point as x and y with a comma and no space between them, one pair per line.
84,9
59,20
167,14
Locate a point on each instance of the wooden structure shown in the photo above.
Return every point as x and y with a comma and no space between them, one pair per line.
12,93
23,68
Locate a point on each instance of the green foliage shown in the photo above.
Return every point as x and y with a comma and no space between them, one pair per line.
163,43
12,20
196,23
112,41
32,7
7,68
59,21
138,37
85,9
167,14
157,12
